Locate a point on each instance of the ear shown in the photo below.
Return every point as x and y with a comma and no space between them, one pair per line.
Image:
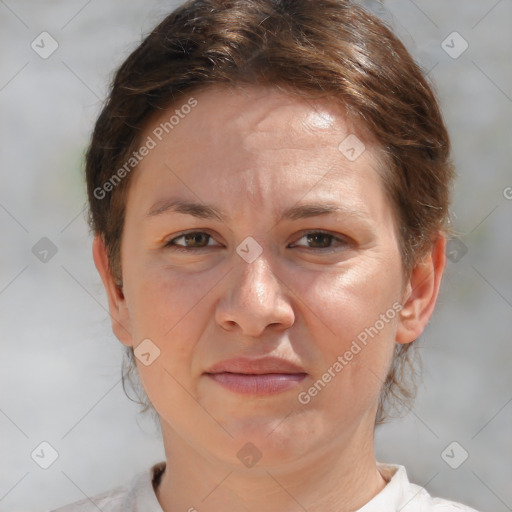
421,293
119,312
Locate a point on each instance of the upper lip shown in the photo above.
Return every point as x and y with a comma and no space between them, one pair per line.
253,366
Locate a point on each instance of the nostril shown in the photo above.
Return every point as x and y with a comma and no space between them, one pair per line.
229,325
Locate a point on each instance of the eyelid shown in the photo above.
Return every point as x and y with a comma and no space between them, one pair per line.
167,241
323,232
343,239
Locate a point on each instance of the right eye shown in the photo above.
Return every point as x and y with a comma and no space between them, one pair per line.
190,241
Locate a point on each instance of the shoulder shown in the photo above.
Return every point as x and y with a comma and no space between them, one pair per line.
138,495
110,501
410,497
418,499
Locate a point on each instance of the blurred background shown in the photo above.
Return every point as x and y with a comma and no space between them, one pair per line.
60,365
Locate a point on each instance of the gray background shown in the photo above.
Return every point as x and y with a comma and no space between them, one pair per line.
60,369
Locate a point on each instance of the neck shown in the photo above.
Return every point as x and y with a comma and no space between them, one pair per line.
336,479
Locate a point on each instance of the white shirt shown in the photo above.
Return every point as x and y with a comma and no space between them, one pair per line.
398,495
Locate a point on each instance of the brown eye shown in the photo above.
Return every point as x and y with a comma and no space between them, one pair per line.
190,241
321,240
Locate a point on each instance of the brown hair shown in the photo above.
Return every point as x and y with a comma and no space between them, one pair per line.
331,49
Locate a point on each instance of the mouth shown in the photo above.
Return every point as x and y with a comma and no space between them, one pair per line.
263,376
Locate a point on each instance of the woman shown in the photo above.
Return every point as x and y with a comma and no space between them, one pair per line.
268,187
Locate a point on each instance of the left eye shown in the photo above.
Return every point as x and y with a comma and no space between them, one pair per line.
320,240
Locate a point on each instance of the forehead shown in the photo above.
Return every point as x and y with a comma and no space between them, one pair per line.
257,113
253,142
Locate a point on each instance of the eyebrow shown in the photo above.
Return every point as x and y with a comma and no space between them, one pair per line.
205,211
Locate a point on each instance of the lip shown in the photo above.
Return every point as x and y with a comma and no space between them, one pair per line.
263,376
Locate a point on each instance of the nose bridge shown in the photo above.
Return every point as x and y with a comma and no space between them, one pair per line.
257,282
254,299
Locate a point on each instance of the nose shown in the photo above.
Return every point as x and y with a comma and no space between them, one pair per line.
254,300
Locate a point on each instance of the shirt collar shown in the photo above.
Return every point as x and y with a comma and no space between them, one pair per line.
142,497
391,497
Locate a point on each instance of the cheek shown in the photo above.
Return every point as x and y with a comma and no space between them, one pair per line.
353,319
169,310
349,301
164,300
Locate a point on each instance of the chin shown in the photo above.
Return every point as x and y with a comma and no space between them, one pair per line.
271,440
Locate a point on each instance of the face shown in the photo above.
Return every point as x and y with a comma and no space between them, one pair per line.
262,264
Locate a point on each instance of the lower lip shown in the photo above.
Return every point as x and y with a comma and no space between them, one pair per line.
265,384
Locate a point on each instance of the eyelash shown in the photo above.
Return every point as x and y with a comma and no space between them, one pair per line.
180,248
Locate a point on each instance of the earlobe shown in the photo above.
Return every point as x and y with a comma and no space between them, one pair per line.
421,293
119,312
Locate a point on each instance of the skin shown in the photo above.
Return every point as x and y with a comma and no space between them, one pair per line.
253,153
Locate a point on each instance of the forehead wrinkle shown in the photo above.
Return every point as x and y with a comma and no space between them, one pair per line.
262,129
